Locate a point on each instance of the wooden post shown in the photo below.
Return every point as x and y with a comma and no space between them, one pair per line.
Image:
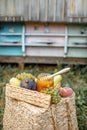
21,65
66,40
23,41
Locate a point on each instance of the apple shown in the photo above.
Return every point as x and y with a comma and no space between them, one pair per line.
65,92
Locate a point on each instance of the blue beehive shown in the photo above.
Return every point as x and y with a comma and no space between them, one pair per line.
10,39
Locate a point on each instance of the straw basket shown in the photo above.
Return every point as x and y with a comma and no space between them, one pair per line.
31,110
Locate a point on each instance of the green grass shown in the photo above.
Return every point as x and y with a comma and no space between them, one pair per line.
76,78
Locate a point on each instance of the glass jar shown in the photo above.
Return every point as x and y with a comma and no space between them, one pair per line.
42,83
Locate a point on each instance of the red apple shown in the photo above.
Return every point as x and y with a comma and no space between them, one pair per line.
65,92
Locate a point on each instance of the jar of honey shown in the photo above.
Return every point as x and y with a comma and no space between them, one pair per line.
43,83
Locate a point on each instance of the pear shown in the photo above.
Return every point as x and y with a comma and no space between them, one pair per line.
14,82
57,80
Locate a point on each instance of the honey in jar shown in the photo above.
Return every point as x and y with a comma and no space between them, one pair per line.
42,83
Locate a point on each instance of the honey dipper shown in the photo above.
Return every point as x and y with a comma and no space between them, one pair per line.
57,73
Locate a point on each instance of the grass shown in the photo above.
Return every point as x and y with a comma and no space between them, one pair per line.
76,79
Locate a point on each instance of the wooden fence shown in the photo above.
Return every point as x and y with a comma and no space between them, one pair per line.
44,10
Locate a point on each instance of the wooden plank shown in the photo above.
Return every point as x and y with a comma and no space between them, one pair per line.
80,52
10,8
10,44
11,51
42,34
77,10
63,9
19,8
16,7
45,60
10,33
23,40
54,17
42,10
55,60
46,10
75,36
38,9
81,7
76,29
34,5
77,40
26,11
11,59
45,51
52,10
77,45
2,7
28,96
30,10
66,42
84,8
72,7
73,10
59,10
55,35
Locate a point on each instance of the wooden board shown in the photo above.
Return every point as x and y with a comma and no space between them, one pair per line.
41,60
77,52
46,51
10,50
44,32
44,10
10,32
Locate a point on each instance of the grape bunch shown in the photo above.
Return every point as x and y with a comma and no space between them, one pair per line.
24,75
55,97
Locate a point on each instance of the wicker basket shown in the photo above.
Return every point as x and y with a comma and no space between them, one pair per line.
31,110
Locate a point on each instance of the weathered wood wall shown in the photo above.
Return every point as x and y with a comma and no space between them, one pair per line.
43,10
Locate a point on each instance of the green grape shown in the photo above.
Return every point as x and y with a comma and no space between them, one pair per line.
25,75
55,97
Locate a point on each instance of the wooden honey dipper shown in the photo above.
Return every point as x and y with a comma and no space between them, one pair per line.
57,73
